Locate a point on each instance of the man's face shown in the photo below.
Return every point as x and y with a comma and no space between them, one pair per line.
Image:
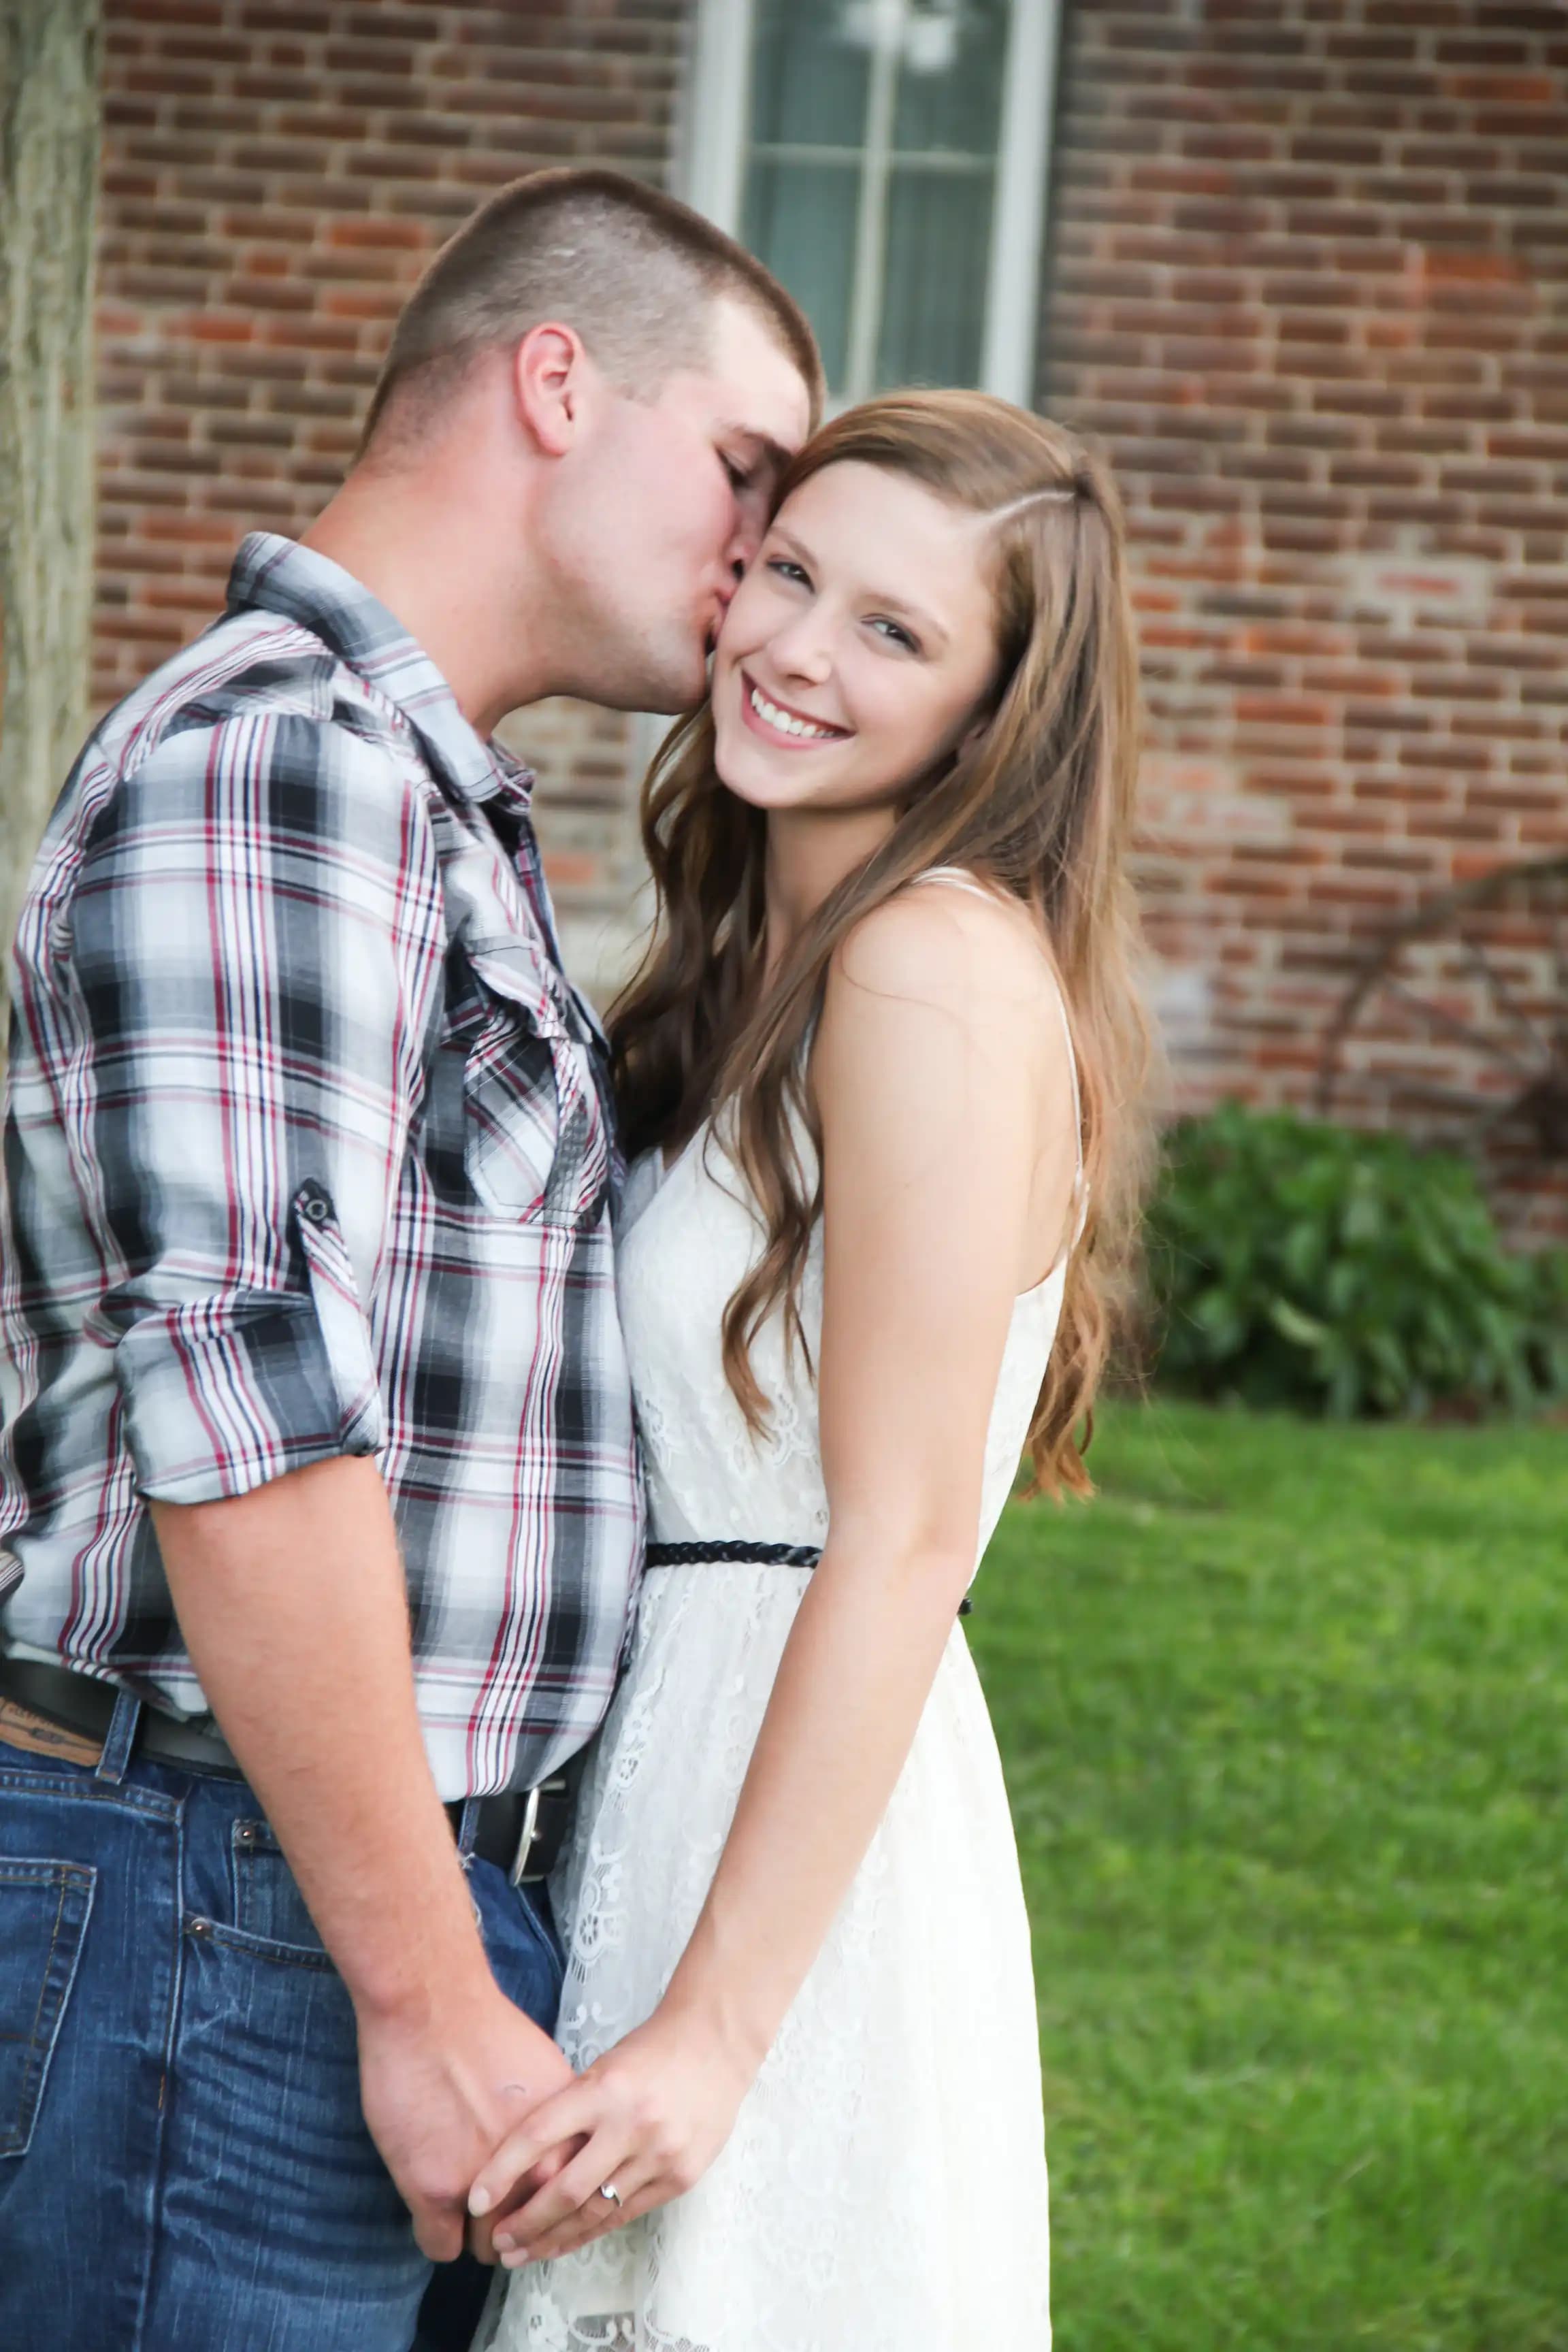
667,508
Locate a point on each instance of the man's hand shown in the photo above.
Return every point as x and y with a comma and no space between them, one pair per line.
440,2090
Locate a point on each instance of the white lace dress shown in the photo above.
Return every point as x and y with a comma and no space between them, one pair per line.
884,2190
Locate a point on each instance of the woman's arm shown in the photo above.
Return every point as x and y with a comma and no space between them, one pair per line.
929,1065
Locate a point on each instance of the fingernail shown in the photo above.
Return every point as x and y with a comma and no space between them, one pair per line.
479,2200
504,2245
513,2259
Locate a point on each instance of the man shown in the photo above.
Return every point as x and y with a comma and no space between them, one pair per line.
318,1493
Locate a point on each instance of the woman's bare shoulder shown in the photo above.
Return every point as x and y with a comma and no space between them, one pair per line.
949,946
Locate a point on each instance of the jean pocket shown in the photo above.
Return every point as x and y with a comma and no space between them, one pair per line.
269,1911
44,1911
525,1955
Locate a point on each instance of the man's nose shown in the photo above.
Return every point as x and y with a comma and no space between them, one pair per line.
745,541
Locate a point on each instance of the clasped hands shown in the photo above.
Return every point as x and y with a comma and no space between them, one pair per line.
647,2119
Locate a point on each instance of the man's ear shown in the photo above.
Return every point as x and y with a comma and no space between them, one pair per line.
550,369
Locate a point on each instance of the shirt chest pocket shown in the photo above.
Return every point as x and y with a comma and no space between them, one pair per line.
535,1146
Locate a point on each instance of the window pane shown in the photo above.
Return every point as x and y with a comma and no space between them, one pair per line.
950,84
939,246
800,219
808,78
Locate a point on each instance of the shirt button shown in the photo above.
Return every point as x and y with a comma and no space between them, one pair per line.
315,1208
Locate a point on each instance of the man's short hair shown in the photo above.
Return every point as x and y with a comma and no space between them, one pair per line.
636,272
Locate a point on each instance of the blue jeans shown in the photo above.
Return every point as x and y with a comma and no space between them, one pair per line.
184,2162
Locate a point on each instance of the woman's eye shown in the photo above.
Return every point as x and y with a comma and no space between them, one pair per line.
787,570
740,476
896,633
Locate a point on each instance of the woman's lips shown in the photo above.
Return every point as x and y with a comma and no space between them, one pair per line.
781,738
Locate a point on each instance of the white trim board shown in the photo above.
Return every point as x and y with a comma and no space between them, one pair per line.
711,168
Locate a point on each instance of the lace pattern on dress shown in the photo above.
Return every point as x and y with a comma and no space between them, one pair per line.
884,2189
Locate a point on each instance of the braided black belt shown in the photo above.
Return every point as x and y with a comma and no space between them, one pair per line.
701,1555
737,1549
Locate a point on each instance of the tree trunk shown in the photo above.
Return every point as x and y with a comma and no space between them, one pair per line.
49,176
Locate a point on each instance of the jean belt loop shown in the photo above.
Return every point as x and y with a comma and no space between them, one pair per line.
468,1827
120,1737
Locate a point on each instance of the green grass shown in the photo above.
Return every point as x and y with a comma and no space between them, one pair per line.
1285,1717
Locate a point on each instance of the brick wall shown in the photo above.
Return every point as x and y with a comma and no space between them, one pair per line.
1310,282
275,173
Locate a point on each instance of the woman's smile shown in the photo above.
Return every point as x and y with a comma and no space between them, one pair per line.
777,723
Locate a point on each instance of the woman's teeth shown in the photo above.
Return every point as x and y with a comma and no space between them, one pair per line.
785,723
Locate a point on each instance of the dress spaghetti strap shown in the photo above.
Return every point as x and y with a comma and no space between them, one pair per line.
960,877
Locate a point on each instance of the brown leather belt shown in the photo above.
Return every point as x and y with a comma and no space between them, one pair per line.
51,1711
83,1707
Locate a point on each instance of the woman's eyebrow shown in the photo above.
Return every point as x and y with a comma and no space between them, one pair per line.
916,613
795,546
881,597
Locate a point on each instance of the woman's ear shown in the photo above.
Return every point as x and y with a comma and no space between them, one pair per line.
972,735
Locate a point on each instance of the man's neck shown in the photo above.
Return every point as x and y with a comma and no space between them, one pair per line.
411,545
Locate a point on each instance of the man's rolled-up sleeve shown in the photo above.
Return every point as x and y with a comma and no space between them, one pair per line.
256,949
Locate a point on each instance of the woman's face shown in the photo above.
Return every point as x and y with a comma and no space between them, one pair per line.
860,648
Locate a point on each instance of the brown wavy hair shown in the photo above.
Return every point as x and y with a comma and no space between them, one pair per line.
1039,805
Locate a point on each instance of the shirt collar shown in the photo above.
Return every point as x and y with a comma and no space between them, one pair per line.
278,575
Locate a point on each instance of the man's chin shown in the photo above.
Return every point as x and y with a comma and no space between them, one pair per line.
664,686
668,697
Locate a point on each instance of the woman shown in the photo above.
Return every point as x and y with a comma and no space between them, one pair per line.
879,1204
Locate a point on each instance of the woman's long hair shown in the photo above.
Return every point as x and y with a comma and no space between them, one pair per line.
1040,804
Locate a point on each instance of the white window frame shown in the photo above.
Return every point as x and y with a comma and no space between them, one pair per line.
712,171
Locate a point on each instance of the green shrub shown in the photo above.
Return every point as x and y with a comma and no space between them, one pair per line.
1293,1263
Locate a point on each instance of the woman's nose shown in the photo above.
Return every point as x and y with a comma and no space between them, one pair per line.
802,650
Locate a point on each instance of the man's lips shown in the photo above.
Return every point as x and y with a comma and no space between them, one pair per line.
784,738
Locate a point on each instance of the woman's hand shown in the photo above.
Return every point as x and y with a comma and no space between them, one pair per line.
651,2115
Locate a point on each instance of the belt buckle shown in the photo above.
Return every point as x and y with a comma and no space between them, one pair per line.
529,1836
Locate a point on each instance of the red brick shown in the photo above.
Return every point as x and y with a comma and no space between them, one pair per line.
1513,90
1474,267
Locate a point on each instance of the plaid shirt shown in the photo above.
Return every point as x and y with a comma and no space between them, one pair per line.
308,1153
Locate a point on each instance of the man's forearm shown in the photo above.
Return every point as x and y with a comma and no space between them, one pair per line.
292,1602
